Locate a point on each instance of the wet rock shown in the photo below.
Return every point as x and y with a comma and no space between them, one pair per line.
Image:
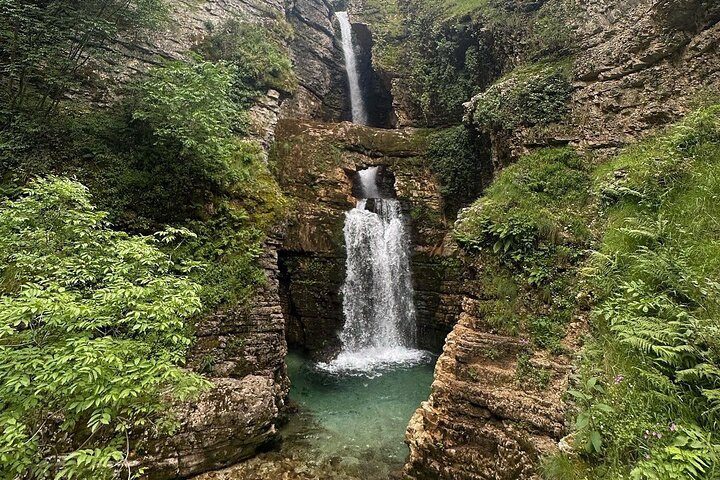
226,425
318,165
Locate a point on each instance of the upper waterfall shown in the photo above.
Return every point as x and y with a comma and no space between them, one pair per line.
368,182
359,112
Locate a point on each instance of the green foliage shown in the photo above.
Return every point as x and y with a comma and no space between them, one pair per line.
547,331
49,48
189,112
190,104
531,207
529,375
445,51
441,69
260,60
92,335
93,322
529,96
530,229
655,322
458,160
692,454
388,29
562,465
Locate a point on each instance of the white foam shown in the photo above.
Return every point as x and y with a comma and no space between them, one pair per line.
373,361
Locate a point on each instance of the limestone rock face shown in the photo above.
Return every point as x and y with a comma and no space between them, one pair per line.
317,164
639,66
319,64
481,421
225,426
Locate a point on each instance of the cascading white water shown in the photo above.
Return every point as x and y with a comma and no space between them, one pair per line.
359,112
368,182
378,305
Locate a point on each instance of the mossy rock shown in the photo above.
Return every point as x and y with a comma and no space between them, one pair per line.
535,95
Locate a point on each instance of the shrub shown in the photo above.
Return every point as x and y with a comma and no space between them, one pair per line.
190,105
529,96
530,206
658,299
260,61
461,164
92,336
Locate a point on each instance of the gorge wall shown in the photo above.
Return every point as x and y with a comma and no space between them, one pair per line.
638,66
241,349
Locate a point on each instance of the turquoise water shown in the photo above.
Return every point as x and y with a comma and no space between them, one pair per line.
354,423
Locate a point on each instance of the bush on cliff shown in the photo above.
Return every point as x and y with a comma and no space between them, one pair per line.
531,230
529,96
462,165
92,336
260,61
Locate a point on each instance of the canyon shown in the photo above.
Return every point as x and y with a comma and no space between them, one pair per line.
400,119
478,423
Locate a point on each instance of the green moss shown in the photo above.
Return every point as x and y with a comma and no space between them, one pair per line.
529,96
462,165
530,230
528,375
260,59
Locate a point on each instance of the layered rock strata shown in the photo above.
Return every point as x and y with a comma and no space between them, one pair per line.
639,66
317,164
483,420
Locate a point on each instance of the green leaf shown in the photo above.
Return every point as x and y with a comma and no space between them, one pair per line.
596,441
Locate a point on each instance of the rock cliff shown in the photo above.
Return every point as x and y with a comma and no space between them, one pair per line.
639,66
317,164
242,349
483,420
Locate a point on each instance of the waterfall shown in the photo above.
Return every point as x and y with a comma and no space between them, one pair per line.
378,305
368,182
359,113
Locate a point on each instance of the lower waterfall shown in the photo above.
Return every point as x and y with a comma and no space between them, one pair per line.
378,306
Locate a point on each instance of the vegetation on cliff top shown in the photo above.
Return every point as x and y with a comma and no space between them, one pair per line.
531,229
444,52
537,94
462,164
